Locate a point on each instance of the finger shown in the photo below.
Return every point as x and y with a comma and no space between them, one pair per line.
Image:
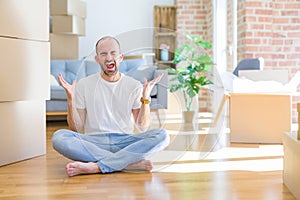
60,79
60,76
145,81
161,75
157,79
64,81
74,83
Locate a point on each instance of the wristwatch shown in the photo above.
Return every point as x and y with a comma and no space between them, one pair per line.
145,101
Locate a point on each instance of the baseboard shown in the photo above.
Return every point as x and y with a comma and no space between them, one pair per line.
56,115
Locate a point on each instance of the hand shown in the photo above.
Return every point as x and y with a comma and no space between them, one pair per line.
70,89
148,86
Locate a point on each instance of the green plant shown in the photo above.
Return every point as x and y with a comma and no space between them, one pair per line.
193,74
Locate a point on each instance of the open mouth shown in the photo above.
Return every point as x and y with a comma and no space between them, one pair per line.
110,66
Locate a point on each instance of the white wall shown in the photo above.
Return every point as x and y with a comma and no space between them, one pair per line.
130,20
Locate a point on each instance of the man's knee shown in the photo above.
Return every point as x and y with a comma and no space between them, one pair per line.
58,138
162,136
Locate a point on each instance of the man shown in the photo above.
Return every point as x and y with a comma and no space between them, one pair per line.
105,107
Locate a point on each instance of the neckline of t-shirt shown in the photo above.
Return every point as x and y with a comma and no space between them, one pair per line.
109,82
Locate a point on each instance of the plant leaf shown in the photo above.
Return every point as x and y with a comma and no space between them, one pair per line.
171,70
181,54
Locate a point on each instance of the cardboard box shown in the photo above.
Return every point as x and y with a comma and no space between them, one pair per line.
262,117
64,46
25,68
291,165
68,25
259,118
27,19
22,130
68,7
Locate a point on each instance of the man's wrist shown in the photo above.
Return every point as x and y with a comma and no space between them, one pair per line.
145,100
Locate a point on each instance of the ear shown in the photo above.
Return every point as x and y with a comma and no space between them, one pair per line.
121,57
96,58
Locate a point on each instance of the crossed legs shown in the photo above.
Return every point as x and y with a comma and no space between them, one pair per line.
105,153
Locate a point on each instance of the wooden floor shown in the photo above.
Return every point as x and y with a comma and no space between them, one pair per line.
213,177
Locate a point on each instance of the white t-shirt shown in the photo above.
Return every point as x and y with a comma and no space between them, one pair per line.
108,104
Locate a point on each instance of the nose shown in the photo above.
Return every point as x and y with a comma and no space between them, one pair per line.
109,57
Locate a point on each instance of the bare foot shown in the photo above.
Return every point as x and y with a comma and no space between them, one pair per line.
76,168
142,165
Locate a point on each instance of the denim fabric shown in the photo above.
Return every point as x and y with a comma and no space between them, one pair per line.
112,151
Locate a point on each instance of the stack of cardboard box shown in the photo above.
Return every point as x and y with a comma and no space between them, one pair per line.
24,78
67,21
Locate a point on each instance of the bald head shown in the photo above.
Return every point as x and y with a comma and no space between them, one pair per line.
106,38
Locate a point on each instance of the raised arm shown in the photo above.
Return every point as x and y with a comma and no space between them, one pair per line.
76,117
142,115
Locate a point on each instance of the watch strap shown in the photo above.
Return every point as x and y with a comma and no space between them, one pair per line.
145,101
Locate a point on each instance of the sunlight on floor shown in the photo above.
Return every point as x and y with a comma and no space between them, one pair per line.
255,158
261,158
249,165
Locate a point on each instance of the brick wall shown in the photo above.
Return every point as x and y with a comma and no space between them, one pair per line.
286,40
266,28
271,29
192,18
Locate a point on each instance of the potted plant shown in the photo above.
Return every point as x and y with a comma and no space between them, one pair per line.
192,75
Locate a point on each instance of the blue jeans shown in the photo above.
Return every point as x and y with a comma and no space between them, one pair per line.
111,151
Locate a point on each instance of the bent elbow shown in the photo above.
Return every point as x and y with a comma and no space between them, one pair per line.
143,127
